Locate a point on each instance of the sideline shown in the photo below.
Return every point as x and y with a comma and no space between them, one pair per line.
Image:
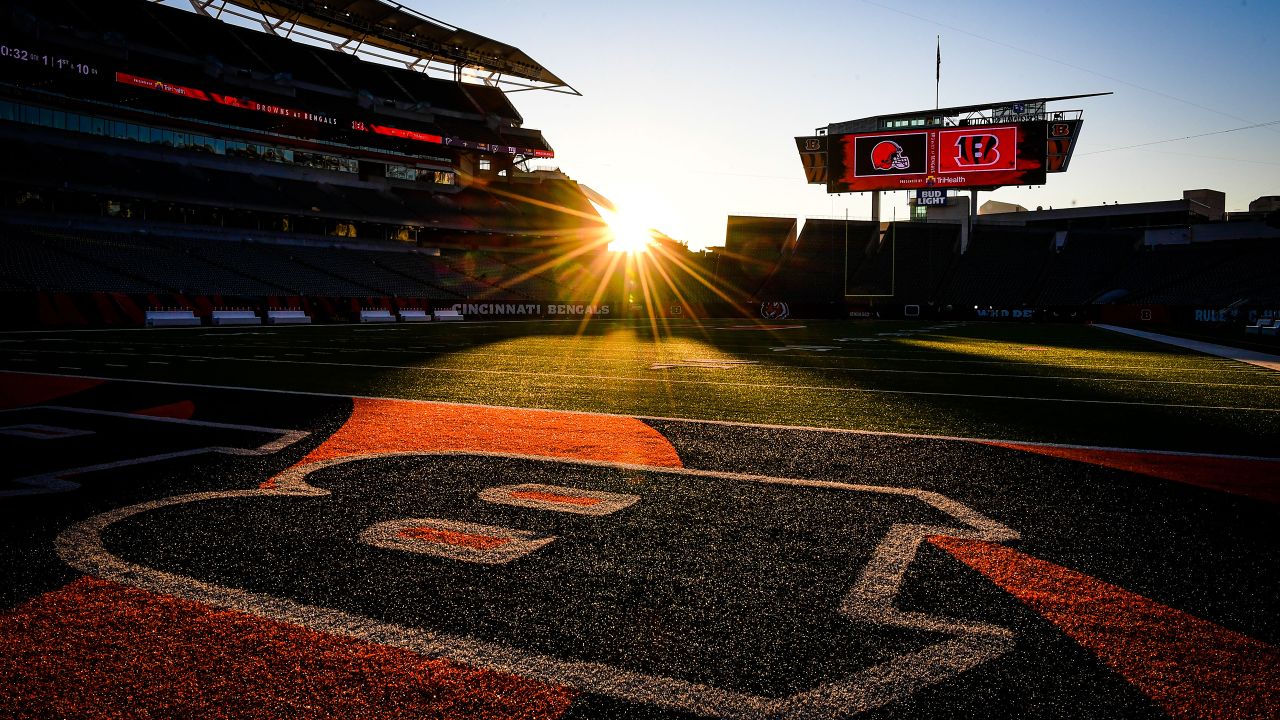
1253,357
672,381
596,413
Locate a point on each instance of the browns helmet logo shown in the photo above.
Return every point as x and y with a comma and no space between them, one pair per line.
888,155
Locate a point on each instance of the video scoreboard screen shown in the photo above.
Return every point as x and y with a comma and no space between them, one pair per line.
959,157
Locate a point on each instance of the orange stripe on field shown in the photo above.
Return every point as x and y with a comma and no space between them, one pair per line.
20,389
97,649
452,537
554,498
1257,479
398,426
181,410
1191,667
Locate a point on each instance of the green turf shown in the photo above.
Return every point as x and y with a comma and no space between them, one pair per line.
1056,383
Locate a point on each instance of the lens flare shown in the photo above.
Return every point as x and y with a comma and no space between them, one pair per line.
628,234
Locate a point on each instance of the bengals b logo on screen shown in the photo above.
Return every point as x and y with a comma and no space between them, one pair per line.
977,150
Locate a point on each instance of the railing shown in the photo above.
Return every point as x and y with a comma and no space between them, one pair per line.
1054,116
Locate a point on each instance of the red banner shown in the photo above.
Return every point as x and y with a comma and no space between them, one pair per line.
407,134
150,84
295,114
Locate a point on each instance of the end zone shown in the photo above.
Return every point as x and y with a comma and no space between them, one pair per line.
587,560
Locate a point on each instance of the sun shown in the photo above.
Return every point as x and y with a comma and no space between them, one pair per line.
629,235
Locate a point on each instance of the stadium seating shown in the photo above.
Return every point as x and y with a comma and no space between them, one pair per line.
1155,267
145,25
924,256
97,260
195,51
869,266
754,250
29,263
1085,266
133,187
431,277
1003,267
168,267
471,275
1226,273
815,269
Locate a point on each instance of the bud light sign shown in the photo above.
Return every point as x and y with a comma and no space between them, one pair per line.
931,197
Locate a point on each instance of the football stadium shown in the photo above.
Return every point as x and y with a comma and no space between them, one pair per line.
327,394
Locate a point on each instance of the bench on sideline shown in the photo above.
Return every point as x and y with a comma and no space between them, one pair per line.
377,315
288,317
176,317
1264,326
448,315
234,317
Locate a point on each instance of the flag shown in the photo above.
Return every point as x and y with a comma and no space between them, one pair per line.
939,75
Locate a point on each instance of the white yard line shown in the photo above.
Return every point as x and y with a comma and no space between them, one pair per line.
704,421
718,383
1224,367
58,480
1253,357
898,356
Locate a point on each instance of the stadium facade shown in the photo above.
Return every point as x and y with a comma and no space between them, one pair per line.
160,157
1166,261
164,158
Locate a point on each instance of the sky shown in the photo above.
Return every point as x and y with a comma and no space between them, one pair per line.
689,109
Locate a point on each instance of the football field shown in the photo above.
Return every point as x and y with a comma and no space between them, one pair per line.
811,519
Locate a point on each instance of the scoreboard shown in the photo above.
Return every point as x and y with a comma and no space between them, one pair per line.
964,157
974,147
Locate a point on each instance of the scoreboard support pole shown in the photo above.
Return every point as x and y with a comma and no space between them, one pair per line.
875,205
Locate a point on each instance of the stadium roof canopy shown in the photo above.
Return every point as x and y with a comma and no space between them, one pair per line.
365,27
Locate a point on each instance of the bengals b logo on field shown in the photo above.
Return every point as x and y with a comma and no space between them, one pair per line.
775,310
977,150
